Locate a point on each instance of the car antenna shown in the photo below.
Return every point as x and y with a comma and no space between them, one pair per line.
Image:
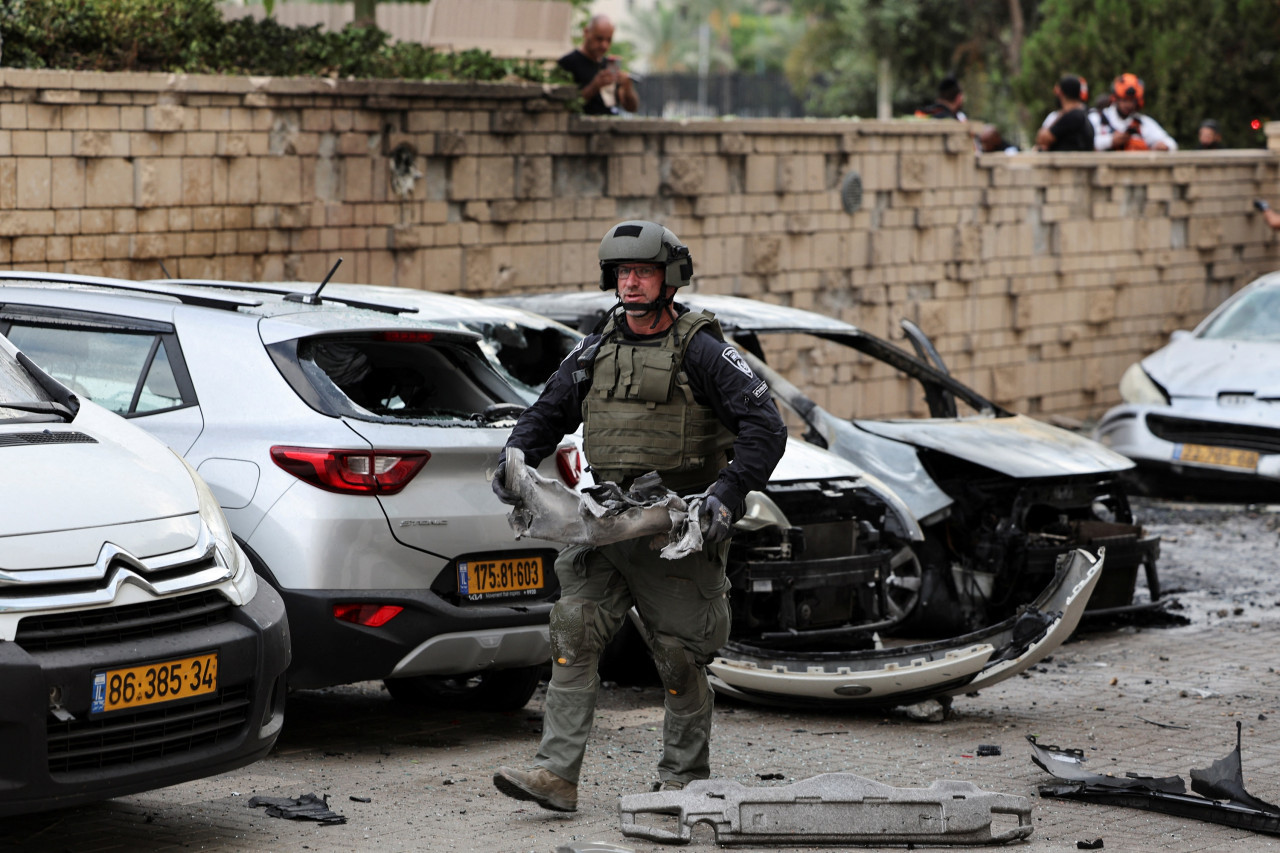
165,270
313,298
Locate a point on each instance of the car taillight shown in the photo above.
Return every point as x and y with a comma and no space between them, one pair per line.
369,615
363,472
569,464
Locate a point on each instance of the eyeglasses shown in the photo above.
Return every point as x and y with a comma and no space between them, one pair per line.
644,272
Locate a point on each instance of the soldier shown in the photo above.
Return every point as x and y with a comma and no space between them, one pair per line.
656,389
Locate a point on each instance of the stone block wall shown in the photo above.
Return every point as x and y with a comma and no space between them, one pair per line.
1040,277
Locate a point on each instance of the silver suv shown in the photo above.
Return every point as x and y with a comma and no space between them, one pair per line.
137,648
350,448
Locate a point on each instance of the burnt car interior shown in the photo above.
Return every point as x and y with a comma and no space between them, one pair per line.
996,547
854,578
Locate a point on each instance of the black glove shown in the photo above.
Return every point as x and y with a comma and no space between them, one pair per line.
715,519
500,486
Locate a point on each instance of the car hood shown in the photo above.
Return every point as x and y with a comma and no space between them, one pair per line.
1017,446
97,471
1195,367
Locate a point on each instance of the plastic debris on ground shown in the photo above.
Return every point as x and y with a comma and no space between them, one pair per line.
306,807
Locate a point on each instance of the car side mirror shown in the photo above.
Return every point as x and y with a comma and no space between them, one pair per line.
1178,335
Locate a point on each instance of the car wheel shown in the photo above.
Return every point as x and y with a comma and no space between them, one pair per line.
489,690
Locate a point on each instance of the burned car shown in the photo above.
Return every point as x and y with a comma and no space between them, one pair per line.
1201,417
999,497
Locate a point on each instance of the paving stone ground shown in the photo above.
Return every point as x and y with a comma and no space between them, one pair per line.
1151,700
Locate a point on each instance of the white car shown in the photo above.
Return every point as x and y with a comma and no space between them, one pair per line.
351,450
137,648
1201,417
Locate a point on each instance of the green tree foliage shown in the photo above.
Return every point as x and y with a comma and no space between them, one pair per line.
924,40
191,36
747,35
1198,58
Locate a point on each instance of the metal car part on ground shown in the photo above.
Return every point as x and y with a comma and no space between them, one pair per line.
1201,416
1223,798
829,809
137,647
350,449
999,496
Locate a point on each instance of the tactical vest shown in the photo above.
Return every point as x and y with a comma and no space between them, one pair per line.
640,415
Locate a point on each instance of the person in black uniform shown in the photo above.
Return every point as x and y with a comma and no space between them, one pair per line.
1071,130
603,85
656,388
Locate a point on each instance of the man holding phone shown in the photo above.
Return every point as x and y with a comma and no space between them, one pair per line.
604,86
1272,218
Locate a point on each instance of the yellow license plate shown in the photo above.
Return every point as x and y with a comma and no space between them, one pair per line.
481,579
154,683
1227,457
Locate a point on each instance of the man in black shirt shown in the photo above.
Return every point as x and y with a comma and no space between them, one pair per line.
1072,130
603,85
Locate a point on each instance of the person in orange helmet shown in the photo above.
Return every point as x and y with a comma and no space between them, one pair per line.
1123,126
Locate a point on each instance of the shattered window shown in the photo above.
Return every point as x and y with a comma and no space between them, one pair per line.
396,376
524,356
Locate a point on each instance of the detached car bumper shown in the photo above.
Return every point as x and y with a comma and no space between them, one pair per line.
59,752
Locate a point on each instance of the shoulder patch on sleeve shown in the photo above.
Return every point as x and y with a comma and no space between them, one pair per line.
732,356
759,393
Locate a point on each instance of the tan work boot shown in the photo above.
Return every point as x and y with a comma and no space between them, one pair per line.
539,785
668,785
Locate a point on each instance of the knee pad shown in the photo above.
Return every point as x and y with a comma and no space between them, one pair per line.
573,650
681,675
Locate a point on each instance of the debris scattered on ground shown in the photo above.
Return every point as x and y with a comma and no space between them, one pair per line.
1222,799
985,749
1095,844
830,809
356,799
306,807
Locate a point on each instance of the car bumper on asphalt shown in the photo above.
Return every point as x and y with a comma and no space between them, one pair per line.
58,752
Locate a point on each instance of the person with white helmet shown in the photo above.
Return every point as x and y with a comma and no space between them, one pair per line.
655,388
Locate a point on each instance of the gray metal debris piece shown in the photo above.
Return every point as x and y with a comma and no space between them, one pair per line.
593,847
834,808
602,514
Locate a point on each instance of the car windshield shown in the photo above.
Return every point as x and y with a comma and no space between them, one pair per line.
19,387
1253,317
395,377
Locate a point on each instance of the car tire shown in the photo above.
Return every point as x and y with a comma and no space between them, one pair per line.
489,690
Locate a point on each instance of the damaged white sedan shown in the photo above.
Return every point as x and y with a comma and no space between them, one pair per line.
1201,417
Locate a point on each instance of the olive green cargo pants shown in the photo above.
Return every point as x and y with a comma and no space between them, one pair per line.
685,609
